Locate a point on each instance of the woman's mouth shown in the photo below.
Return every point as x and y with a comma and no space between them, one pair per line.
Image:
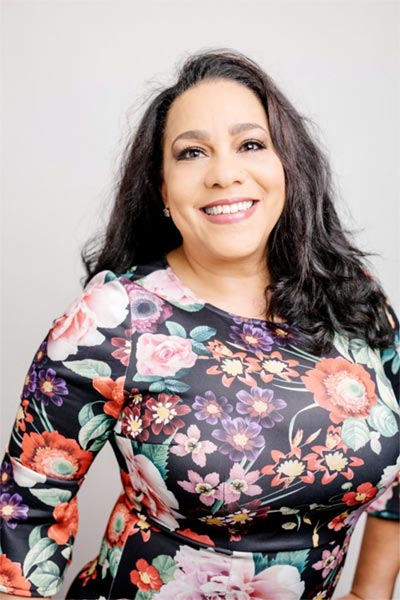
228,209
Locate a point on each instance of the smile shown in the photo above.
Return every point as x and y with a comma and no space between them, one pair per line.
228,209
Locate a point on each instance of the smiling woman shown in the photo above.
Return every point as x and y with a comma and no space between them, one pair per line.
233,348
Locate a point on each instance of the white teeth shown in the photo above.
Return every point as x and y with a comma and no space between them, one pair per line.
229,208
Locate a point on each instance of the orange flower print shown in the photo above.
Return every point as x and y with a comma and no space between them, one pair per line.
145,577
113,391
342,387
275,366
11,577
119,524
54,455
365,492
89,571
66,526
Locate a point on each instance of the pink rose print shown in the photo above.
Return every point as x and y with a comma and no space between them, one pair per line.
206,574
100,305
163,355
164,283
150,487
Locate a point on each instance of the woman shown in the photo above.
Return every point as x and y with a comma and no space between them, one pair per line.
240,370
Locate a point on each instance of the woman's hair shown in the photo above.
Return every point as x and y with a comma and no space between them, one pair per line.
318,280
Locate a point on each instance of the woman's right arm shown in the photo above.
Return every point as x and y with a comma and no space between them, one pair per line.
73,393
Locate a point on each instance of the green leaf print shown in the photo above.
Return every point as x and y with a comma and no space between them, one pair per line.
94,428
200,348
382,419
89,368
386,393
202,333
40,552
114,557
166,566
297,558
175,329
85,414
355,433
341,344
157,386
260,562
34,536
158,455
47,578
52,496
144,595
173,385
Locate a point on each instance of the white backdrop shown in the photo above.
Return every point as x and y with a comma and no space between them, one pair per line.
75,74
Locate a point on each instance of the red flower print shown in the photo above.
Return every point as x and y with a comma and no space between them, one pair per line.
123,346
11,577
66,527
134,423
365,492
54,455
197,537
89,571
146,577
342,387
338,522
113,391
165,413
23,417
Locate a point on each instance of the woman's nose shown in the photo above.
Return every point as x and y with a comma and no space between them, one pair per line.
223,171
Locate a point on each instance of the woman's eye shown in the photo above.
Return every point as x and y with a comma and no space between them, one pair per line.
188,153
253,145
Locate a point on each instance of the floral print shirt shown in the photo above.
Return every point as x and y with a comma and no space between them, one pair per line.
245,460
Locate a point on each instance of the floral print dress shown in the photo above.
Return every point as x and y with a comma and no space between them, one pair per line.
245,460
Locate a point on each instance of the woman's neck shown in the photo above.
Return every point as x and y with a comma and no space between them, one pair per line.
237,287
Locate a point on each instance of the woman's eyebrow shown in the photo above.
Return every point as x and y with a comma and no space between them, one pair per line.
200,134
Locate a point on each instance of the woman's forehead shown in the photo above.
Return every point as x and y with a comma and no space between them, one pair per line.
212,103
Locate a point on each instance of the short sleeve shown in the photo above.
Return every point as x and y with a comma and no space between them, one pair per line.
387,505
72,394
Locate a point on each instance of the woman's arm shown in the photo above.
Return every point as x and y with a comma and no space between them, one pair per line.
8,597
379,561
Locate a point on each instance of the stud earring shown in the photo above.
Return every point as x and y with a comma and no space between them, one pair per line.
166,212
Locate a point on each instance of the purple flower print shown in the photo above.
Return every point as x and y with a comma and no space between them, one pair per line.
40,357
251,337
30,382
210,409
241,438
12,510
147,311
6,475
50,387
260,405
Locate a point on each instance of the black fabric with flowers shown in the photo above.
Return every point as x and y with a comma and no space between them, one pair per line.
245,460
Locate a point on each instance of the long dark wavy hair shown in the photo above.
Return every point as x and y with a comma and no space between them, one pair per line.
319,282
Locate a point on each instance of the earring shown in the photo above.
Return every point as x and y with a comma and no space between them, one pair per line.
166,212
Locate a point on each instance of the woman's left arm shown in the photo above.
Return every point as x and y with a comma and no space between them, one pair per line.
379,561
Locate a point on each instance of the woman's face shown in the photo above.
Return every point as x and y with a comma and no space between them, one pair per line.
222,179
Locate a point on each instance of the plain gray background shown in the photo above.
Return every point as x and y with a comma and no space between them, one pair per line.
75,75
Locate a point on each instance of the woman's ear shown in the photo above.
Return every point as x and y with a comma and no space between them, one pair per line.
164,195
